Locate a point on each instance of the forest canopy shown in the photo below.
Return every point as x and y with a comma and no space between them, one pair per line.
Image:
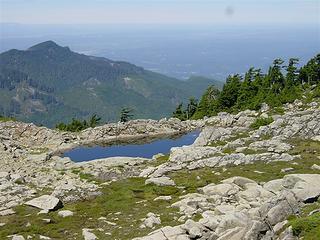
283,83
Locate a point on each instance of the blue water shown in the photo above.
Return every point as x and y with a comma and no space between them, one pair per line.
146,150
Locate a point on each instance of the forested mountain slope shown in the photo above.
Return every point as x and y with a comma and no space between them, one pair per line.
48,83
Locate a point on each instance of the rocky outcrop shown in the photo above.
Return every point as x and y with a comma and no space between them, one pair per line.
228,140
240,208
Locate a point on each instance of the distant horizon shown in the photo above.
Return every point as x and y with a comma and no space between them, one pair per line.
178,38
159,12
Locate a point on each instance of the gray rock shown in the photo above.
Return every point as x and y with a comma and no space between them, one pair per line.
65,213
274,185
305,186
264,107
45,202
16,178
7,212
151,220
4,175
88,235
240,181
193,228
44,237
18,237
160,181
146,172
315,167
223,189
284,170
163,198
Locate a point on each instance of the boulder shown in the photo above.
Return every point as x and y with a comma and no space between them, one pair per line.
18,237
45,202
65,213
240,181
305,186
223,189
146,172
193,228
160,181
274,185
151,220
88,235
315,167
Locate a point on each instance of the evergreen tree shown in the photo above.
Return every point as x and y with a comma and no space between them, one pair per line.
230,92
125,115
274,88
179,112
207,104
247,90
94,120
191,107
310,73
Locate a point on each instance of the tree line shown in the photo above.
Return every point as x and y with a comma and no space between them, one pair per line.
281,84
77,125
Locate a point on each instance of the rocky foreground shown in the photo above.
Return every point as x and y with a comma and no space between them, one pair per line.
236,181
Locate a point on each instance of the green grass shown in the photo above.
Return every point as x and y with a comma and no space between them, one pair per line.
131,197
87,176
277,110
159,160
249,151
6,119
37,151
217,143
228,150
261,122
230,139
307,227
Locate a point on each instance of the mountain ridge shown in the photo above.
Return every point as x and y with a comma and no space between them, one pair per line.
48,83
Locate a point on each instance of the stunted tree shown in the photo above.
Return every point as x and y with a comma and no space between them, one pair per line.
292,72
179,112
126,114
94,120
207,103
191,107
275,76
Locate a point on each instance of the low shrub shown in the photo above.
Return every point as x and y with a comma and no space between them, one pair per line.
261,122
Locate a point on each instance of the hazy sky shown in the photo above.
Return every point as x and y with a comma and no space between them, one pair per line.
160,11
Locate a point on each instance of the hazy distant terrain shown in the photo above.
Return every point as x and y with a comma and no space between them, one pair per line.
48,83
176,51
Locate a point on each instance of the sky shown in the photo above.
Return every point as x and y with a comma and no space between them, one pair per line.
160,11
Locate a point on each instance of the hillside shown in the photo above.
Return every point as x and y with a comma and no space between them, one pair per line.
48,83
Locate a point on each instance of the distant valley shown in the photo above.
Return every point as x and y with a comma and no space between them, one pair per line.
48,83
